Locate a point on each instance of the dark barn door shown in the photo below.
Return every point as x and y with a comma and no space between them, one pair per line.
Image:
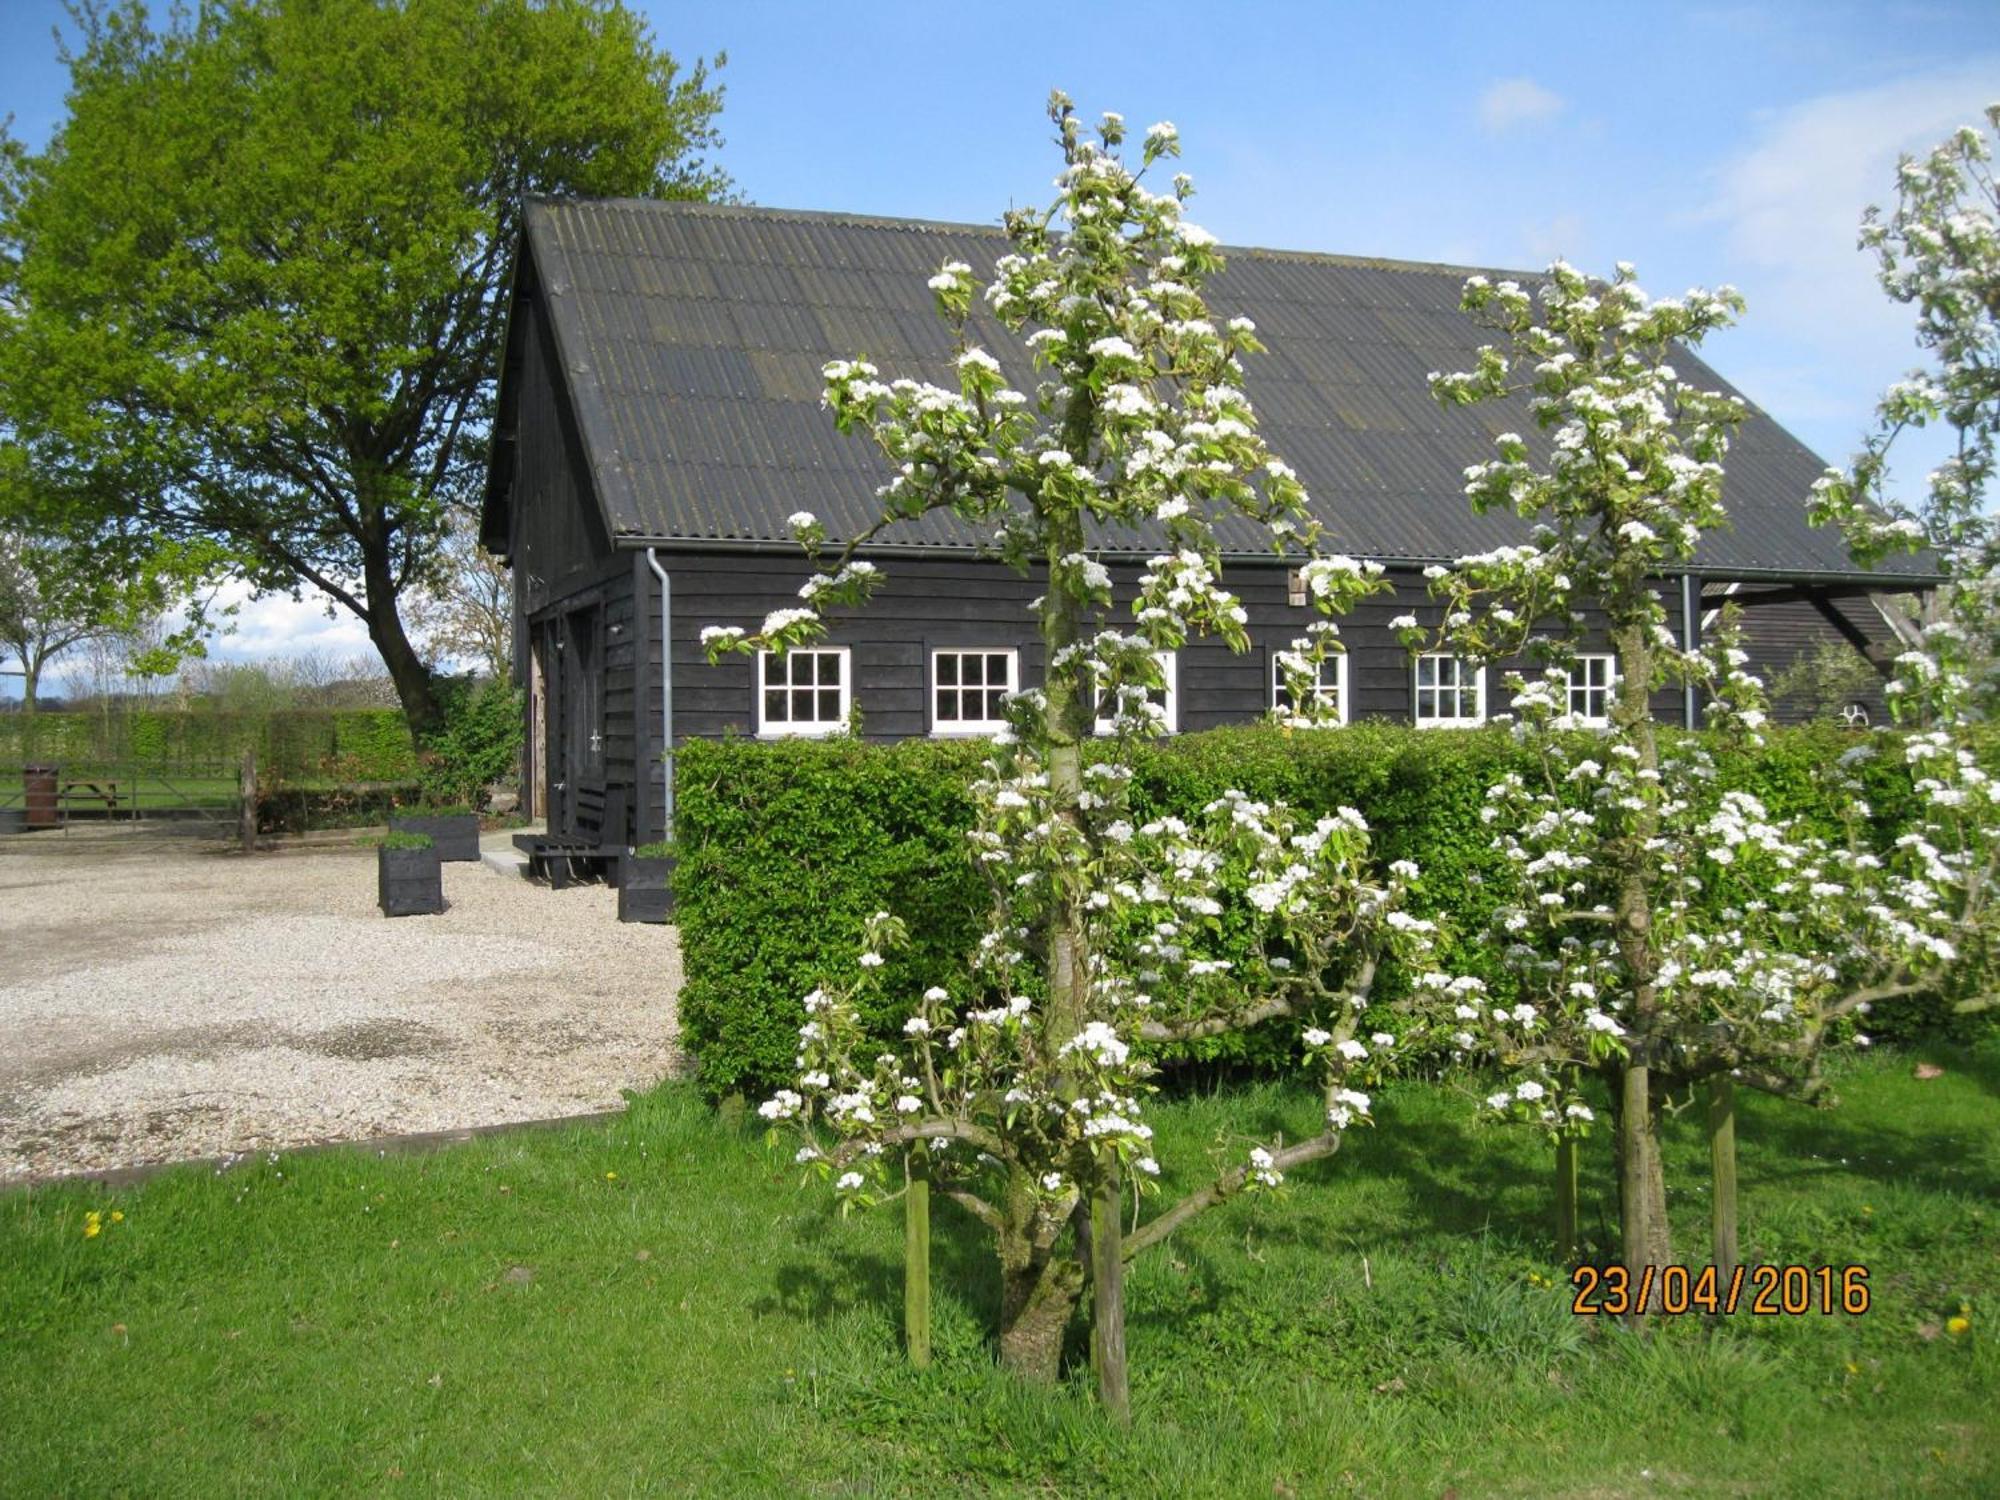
583,712
571,647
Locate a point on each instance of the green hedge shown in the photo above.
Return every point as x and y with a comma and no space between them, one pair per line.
351,744
786,848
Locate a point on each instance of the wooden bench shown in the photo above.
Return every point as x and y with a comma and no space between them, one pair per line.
103,791
597,848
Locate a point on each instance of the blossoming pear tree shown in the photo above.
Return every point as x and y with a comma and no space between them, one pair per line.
1939,251
1659,930
1019,1087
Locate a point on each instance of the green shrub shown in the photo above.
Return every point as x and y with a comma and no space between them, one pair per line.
786,847
298,808
356,745
478,744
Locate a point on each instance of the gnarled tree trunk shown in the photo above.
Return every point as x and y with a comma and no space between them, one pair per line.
1039,1288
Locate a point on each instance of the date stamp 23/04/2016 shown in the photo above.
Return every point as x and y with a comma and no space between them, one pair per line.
1792,1291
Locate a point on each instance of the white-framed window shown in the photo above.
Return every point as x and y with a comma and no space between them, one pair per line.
970,686
1449,690
1331,690
1590,682
1168,697
805,691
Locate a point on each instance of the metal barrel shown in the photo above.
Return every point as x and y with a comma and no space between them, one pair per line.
39,799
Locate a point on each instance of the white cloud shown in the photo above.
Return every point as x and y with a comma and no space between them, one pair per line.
1791,204
277,626
1789,207
1516,101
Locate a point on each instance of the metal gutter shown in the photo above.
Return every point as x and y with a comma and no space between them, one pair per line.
666,690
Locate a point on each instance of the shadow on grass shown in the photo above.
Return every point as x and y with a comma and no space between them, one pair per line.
835,1277
1787,1144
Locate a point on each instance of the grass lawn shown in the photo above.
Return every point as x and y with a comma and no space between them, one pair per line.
655,1306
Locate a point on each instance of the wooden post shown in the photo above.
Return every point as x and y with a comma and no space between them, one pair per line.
1722,1173
246,818
1566,1199
1107,1280
917,1255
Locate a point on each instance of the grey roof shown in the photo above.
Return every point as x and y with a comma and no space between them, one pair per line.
692,335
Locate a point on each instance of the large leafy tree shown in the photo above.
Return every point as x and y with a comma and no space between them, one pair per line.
252,289
57,594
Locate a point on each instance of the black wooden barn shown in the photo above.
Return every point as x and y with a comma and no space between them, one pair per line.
659,420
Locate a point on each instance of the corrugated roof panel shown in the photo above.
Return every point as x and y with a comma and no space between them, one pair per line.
693,336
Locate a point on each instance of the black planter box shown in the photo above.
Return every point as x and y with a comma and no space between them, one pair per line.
455,836
646,894
13,820
409,882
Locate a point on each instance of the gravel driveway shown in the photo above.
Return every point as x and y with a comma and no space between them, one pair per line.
163,998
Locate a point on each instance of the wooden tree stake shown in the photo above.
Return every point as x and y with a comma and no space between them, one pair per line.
1566,1199
1107,1279
917,1256
1722,1172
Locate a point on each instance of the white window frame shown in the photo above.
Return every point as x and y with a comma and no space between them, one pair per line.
1335,659
970,728
1418,689
1607,687
816,728
1170,670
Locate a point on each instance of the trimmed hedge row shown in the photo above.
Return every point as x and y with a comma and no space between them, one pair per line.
786,847
353,744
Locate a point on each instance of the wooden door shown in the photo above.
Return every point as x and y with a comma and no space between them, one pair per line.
583,709
551,742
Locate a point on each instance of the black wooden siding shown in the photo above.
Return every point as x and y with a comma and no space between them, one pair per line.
559,543
563,559
926,604
1777,635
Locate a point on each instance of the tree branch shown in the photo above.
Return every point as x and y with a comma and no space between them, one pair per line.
1227,1186
1188,1031
978,1207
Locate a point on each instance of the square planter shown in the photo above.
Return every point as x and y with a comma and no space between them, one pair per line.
455,835
646,892
13,820
409,882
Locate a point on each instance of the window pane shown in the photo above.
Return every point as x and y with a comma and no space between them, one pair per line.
774,706
947,668
829,705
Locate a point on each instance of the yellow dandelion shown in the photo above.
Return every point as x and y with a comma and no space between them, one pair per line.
117,1217
1956,1326
1853,1368
610,1176
92,1229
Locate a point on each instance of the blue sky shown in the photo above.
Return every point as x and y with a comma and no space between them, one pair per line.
1705,143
